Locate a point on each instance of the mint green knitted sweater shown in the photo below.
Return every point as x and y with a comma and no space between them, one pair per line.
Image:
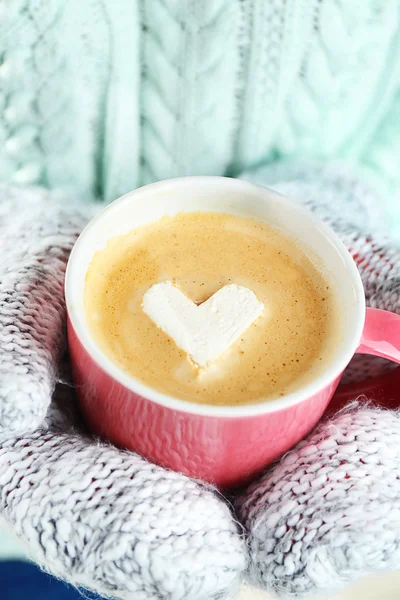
100,96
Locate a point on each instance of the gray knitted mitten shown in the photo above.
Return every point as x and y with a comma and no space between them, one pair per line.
329,511
91,514
107,520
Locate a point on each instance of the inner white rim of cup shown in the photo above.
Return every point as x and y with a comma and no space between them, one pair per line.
220,194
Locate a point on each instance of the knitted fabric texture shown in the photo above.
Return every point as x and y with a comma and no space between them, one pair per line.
99,97
99,517
330,510
37,237
107,520
328,513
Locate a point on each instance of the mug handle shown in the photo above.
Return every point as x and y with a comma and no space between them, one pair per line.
380,337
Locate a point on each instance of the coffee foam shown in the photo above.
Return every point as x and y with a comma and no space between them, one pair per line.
200,253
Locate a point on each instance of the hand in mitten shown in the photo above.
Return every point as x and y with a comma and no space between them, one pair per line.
91,514
329,511
105,519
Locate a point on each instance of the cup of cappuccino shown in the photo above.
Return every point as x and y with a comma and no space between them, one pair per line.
209,323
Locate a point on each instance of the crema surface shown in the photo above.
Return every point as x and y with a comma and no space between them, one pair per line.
201,252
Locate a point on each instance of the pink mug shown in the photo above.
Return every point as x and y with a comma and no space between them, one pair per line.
225,445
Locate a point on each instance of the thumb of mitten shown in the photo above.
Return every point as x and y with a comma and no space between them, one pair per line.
328,512
37,233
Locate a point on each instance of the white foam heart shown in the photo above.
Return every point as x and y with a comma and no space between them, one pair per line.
204,332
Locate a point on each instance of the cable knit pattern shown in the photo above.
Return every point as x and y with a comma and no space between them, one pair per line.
275,30
187,47
329,511
98,97
121,152
328,112
20,154
52,91
92,107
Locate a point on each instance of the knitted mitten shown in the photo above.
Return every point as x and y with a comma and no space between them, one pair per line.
91,514
329,511
106,519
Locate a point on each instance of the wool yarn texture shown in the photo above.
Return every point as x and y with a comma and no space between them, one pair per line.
105,519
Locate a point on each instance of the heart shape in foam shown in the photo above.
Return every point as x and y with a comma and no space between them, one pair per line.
204,332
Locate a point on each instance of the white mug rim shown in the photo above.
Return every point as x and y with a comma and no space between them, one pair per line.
327,377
